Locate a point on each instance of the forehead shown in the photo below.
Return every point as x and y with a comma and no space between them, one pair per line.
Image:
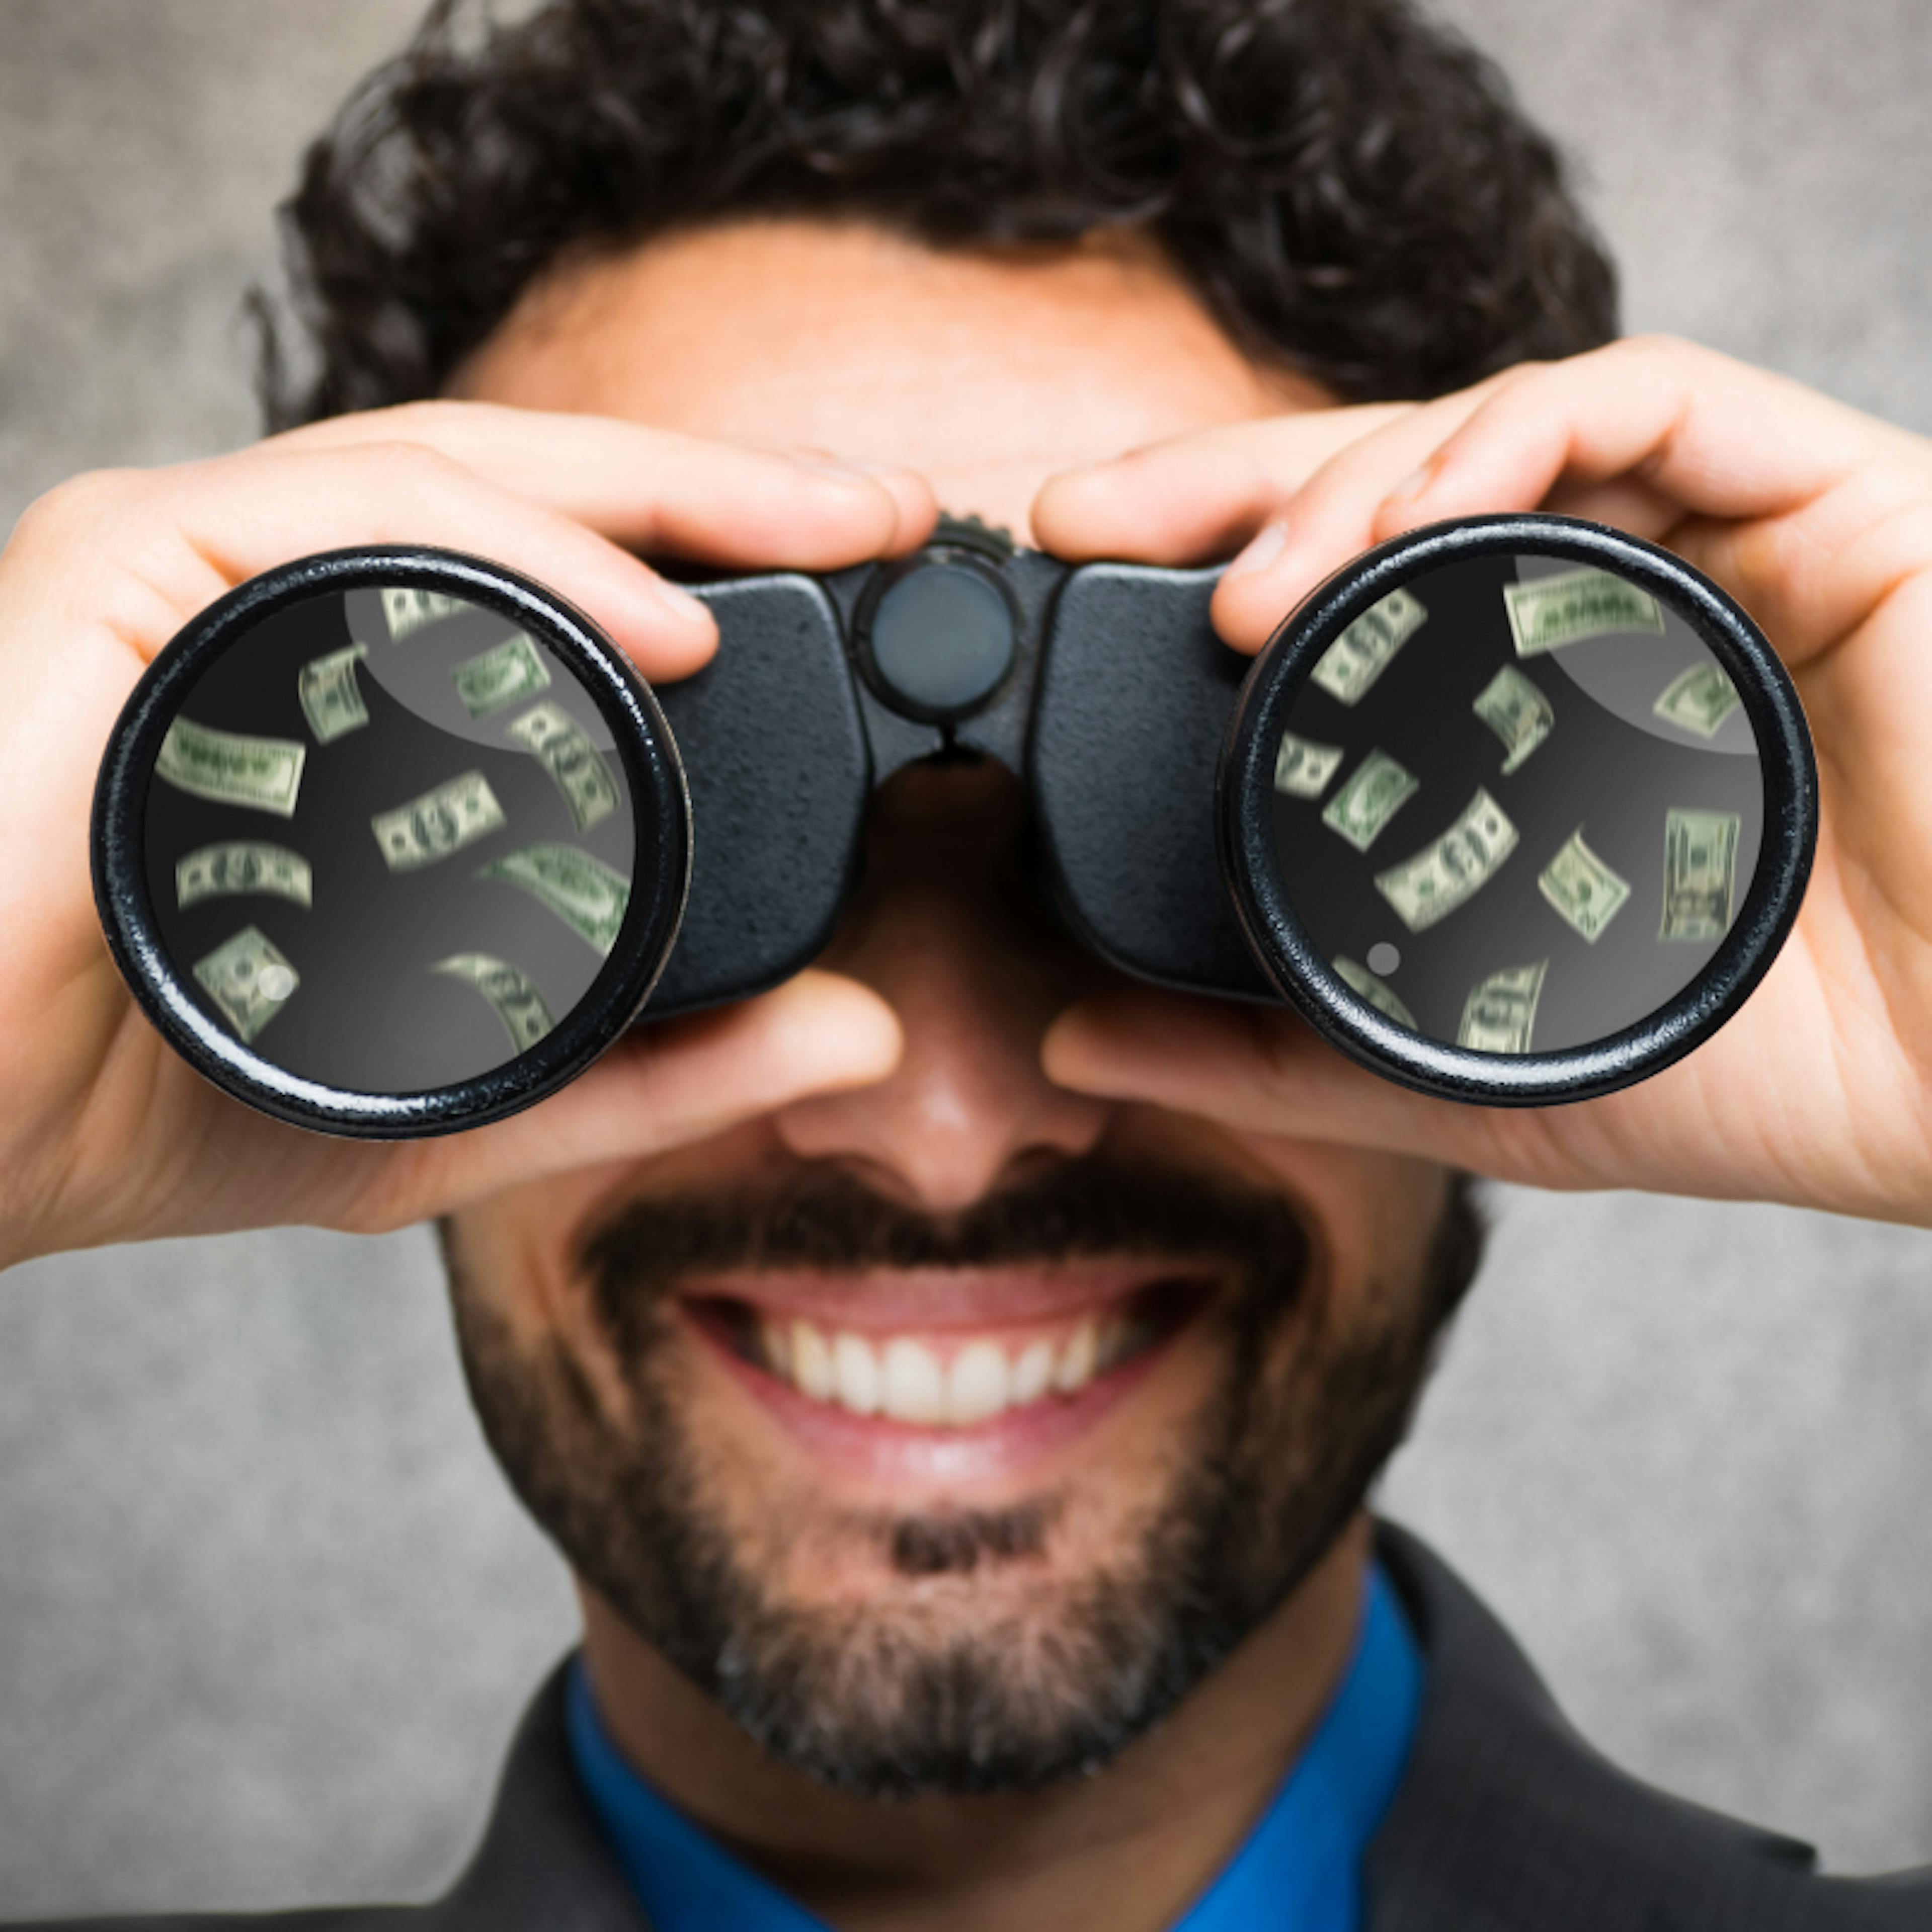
986,370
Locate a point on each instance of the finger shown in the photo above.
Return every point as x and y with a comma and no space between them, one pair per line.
1331,518
1195,497
146,550
661,491
658,1087
1808,511
1625,503
1716,436
915,506
1776,485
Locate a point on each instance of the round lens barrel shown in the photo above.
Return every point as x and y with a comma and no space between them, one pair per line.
391,842
1518,809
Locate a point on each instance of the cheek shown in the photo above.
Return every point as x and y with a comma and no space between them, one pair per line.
1371,1218
514,1251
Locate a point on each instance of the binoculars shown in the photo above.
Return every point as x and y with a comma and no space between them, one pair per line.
1515,810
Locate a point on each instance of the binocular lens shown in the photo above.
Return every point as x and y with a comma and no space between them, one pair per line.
1535,793
1515,810
398,842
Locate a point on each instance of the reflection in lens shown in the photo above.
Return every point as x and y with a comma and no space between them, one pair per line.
388,841
1517,804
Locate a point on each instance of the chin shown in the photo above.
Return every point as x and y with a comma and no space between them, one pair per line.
960,1505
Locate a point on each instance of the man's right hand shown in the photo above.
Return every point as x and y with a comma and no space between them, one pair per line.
105,1134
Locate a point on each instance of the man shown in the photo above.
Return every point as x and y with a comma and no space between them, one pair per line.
955,1376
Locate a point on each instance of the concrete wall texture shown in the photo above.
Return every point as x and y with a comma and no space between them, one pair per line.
267,1612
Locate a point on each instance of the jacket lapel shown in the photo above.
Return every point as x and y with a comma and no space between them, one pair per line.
1507,1821
543,1865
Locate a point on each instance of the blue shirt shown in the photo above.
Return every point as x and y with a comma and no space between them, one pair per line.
1298,1870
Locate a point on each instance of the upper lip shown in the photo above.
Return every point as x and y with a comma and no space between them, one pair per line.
887,1300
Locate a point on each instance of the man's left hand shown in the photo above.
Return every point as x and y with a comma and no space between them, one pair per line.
1815,517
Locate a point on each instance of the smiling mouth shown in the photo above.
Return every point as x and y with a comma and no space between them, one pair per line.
951,1378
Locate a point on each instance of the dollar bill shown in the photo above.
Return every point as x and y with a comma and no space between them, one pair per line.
242,866
1364,651
249,979
1516,712
1302,768
407,612
330,699
575,766
1547,612
1698,699
1373,793
511,670
455,813
525,1017
1500,1013
1581,887
588,896
264,774
1379,995
1700,864
1451,868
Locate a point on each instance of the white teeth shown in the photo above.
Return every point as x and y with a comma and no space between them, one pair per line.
1032,1373
777,1345
909,1382
976,1388
1075,1368
856,1370
811,1362
915,1390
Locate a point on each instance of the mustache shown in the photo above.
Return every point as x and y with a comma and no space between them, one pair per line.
824,1219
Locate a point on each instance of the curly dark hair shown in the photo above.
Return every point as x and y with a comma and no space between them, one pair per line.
1350,188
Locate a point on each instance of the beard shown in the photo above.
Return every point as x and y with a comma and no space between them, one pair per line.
972,1676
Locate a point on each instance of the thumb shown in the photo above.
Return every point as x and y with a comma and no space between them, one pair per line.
1263,1070
662,1086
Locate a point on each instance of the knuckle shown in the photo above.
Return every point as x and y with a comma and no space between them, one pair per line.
428,417
1657,353
78,505
408,464
1524,374
1507,385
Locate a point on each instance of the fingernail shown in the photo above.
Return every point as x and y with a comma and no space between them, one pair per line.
1266,545
840,471
680,602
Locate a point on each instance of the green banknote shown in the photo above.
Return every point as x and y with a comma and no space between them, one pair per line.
1547,612
248,979
444,820
501,676
262,774
588,896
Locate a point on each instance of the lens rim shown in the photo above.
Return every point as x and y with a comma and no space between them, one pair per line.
118,846
1303,977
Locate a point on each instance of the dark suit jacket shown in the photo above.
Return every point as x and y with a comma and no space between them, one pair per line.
1506,1821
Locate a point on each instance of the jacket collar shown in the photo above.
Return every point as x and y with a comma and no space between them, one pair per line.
544,1865
1505,1821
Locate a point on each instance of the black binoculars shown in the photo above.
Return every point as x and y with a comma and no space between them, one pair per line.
395,842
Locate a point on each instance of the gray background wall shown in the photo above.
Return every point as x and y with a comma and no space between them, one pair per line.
266,1612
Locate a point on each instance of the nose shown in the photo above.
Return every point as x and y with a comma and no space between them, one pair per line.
948,928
